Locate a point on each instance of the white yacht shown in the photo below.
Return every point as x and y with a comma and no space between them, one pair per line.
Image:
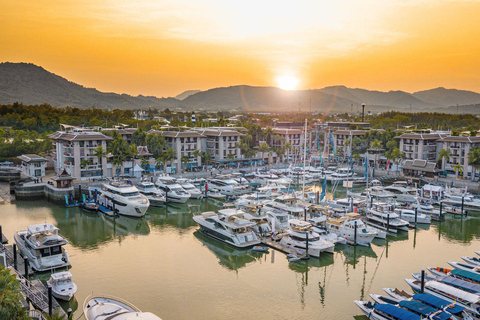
228,187
63,287
454,197
153,194
319,226
278,218
345,227
409,215
215,194
286,203
270,178
104,307
173,191
124,198
229,226
295,237
43,246
382,216
401,193
425,206
195,193
253,214
342,174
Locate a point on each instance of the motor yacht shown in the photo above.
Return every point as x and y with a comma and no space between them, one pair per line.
229,226
425,206
43,246
297,235
409,215
270,178
456,197
63,287
278,218
319,226
382,216
153,194
123,198
345,227
286,203
342,174
228,187
173,191
105,307
195,192
401,193
385,311
253,214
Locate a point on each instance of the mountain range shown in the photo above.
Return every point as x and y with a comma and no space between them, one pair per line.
31,84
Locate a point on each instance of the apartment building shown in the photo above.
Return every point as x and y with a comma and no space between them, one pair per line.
75,152
459,148
33,165
421,146
293,136
221,142
340,139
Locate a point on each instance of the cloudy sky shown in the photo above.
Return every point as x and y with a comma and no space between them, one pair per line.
163,48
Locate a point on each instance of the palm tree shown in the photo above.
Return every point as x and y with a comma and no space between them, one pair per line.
231,156
474,160
144,163
169,155
263,148
117,162
184,159
100,153
376,144
85,162
159,162
444,154
458,168
197,153
10,297
287,147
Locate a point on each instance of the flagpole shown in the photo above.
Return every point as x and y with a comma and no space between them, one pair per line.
304,158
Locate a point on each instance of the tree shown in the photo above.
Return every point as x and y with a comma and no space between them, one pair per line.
156,144
376,144
444,154
231,156
139,137
169,155
57,316
100,153
458,168
144,163
85,162
159,162
117,162
10,297
184,159
287,147
263,148
474,160
197,153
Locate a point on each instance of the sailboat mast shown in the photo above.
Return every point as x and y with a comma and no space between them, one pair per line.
304,155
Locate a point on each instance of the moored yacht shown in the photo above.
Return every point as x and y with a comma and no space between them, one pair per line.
253,214
352,228
382,216
297,235
63,287
43,246
104,307
173,191
229,226
195,193
286,203
153,194
123,198
228,187
409,215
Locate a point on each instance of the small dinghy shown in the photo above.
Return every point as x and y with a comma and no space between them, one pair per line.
291,257
260,249
90,206
63,287
472,260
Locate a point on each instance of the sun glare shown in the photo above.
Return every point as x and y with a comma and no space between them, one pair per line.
287,82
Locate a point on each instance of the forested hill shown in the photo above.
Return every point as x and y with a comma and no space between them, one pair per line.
30,84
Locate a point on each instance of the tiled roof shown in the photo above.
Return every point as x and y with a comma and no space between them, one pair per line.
79,136
31,157
461,139
420,165
421,136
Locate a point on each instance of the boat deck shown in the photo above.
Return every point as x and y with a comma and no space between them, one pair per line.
105,210
277,246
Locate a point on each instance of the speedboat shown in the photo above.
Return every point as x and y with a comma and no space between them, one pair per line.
464,266
383,217
123,198
409,215
345,227
104,307
215,194
153,194
229,226
43,246
90,206
297,235
385,311
472,260
173,191
63,287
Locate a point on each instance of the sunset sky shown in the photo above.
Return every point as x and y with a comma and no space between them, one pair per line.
163,48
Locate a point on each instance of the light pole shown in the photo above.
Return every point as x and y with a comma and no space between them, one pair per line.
363,111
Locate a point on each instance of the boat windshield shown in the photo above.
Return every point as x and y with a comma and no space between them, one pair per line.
130,194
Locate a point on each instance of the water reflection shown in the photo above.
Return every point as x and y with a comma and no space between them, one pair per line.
229,257
458,229
121,226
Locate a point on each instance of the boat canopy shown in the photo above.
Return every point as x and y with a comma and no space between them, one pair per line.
466,274
462,284
437,302
422,309
457,293
41,228
396,312
61,276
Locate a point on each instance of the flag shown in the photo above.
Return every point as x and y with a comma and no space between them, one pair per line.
333,147
366,166
324,189
319,150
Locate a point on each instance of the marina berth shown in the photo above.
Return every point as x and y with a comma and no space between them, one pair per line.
104,307
173,191
229,226
63,287
384,311
123,198
153,194
469,301
43,246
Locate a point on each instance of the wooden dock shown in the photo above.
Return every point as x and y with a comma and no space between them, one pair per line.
105,210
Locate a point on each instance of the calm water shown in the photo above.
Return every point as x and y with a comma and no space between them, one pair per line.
164,265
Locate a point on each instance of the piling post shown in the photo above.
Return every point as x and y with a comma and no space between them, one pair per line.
113,206
355,233
306,246
69,312
15,263
441,205
317,197
305,213
422,284
206,190
388,222
416,213
1,234
50,301
463,199
25,261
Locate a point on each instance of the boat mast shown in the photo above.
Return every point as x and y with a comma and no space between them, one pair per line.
304,155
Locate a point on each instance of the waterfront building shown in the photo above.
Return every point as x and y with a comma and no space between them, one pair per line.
33,165
221,142
340,138
459,147
75,152
294,137
421,146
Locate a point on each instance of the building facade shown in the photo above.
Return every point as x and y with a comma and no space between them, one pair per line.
33,165
459,148
419,145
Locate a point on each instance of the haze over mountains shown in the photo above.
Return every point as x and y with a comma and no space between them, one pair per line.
31,84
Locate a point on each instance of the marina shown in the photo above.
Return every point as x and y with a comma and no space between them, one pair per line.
99,245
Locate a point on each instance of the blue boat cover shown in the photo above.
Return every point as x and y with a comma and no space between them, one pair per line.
461,284
396,312
466,274
417,307
437,302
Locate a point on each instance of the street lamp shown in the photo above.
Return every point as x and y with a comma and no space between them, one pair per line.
363,111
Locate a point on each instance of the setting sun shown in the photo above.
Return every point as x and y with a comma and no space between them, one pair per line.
287,82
